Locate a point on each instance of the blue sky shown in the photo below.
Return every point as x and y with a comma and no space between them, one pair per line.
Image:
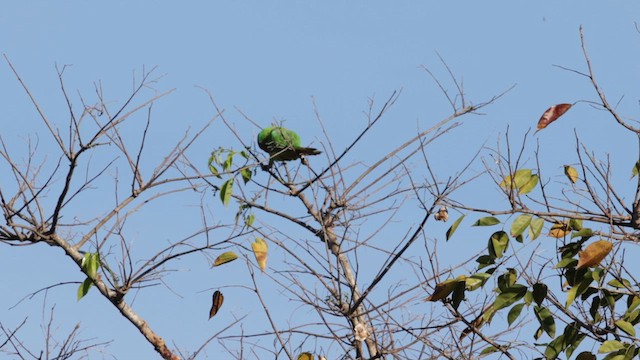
272,60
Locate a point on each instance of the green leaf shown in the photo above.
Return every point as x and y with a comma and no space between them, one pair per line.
475,281
224,258
454,227
90,264
566,263
246,174
486,221
530,185
510,296
498,243
575,224
539,292
554,348
620,285
520,179
488,350
634,171
228,162
535,228
514,313
83,289
250,219
626,327
225,191
610,346
579,288
585,355
458,295
520,224
583,233
545,318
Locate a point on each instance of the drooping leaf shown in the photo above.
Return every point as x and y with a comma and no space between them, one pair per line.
610,346
571,173
226,165
593,254
454,227
626,327
498,243
580,286
486,221
216,302
225,191
559,231
585,355
246,174
517,180
83,289
539,292
509,296
249,220
260,250
552,114
529,185
636,168
554,348
575,224
514,313
535,228
476,280
225,258
90,264
305,356
445,288
520,224
547,323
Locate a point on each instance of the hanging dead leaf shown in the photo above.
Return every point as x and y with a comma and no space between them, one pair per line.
572,173
442,214
224,258
593,254
552,114
559,231
260,249
216,303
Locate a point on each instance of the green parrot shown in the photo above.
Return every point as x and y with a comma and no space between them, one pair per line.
283,144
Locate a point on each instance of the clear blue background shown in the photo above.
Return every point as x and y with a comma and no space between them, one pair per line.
272,60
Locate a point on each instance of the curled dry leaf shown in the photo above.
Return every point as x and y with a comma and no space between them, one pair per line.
216,303
552,114
593,254
442,214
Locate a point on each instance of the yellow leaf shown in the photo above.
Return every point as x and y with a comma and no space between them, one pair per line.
260,249
559,230
445,288
594,253
305,356
225,258
216,303
572,173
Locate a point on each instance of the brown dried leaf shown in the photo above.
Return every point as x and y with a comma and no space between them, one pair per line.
559,231
552,114
594,253
216,303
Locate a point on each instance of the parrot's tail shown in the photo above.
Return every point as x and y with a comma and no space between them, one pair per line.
308,151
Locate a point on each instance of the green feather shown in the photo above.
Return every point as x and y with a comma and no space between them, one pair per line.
283,144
